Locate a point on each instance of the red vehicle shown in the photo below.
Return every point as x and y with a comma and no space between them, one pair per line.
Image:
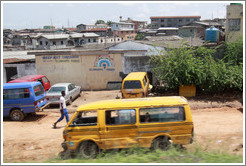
32,78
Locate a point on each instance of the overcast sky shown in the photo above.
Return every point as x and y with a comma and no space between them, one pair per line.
36,15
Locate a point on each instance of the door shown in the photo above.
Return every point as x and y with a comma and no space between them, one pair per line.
72,91
84,126
120,129
46,83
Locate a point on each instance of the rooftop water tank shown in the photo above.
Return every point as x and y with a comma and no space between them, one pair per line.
212,34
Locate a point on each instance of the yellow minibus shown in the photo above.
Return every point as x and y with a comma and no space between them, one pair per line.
135,84
153,122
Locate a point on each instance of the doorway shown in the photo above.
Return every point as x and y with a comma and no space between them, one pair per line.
10,72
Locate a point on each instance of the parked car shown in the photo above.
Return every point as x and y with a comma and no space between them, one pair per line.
71,92
20,99
31,78
135,84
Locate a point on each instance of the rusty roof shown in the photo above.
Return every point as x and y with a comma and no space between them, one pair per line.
14,60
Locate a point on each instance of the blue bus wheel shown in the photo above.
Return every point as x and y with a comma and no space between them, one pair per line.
17,115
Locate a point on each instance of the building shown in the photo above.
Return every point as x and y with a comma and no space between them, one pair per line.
60,41
123,30
17,64
52,41
125,34
96,68
191,31
103,32
48,27
122,26
234,21
172,21
138,25
82,27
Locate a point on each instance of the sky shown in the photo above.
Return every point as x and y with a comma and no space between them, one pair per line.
70,14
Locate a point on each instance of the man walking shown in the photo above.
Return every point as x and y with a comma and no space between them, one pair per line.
63,109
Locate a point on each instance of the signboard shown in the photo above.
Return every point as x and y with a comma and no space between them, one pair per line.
61,58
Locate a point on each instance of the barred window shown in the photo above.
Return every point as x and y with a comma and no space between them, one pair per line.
234,24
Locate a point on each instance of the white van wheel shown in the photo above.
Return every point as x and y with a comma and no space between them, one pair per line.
17,115
161,143
88,149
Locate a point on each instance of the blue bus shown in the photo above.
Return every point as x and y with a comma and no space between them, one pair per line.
19,99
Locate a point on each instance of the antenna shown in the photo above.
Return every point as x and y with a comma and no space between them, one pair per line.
51,22
68,22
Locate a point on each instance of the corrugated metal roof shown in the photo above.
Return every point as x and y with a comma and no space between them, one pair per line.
56,36
168,28
175,17
130,45
17,55
76,35
90,35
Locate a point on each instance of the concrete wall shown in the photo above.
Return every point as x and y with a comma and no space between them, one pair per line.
22,70
81,68
135,63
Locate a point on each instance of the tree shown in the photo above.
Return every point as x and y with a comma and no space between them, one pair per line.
109,22
100,22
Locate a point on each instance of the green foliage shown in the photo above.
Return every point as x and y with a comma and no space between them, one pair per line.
199,66
109,23
141,155
234,51
139,37
100,22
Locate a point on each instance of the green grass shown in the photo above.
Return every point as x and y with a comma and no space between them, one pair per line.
140,155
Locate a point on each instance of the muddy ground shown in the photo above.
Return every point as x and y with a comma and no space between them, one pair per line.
218,125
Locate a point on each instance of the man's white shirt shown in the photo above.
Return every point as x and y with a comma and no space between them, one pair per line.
63,102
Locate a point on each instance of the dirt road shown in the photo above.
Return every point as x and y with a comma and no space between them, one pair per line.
217,126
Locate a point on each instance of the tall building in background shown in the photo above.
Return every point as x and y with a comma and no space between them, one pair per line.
234,21
172,21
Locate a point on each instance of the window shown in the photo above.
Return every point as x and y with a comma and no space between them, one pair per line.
234,24
46,43
89,40
180,20
124,116
144,82
187,19
41,43
132,85
70,87
61,42
16,93
57,89
85,118
162,114
162,20
145,78
162,25
101,40
45,80
94,40
38,90
54,42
